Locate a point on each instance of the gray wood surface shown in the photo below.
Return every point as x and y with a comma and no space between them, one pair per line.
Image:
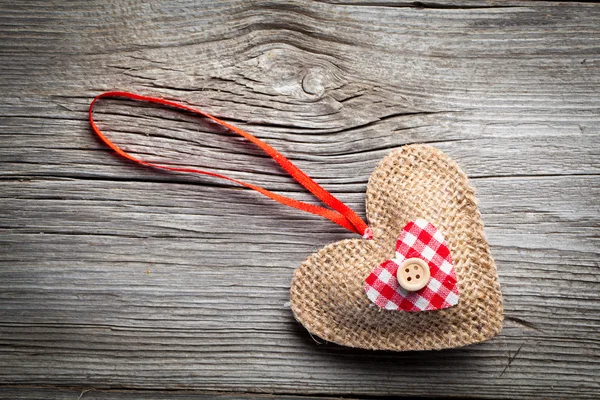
45,393
113,276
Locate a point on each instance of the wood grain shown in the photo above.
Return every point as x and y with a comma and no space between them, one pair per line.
21,393
117,277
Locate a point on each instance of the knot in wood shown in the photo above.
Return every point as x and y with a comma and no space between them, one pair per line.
312,83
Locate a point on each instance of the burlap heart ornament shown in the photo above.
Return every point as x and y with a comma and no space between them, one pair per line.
417,192
328,290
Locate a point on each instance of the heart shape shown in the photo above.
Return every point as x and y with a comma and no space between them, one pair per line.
419,240
414,182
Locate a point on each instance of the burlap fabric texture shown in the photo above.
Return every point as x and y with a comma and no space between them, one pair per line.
327,292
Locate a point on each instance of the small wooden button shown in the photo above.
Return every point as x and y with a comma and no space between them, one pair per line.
413,274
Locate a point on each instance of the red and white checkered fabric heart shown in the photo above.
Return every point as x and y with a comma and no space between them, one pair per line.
419,239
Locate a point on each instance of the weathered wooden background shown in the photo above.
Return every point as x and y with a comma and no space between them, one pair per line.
119,281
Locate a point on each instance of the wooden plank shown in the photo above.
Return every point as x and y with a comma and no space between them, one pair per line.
115,276
25,393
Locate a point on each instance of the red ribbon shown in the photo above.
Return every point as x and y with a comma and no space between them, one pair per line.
341,213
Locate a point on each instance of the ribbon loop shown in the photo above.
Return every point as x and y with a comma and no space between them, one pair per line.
341,214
